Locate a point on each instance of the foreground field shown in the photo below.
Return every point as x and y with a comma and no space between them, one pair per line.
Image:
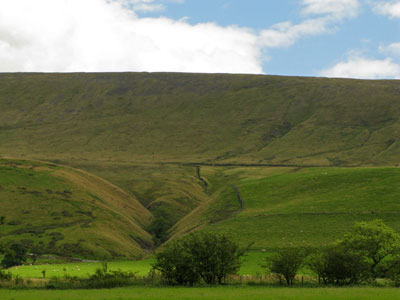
230,293
252,265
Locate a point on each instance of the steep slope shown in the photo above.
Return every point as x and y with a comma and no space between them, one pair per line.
140,117
59,210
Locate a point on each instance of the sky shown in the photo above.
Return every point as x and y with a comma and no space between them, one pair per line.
329,38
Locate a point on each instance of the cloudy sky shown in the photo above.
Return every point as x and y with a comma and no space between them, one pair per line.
333,38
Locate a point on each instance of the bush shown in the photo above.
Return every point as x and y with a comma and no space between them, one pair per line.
15,256
102,278
176,264
286,262
317,263
205,256
5,276
339,266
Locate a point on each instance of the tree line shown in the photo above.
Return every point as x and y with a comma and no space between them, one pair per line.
370,251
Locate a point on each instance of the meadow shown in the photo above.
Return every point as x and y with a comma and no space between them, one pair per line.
252,265
230,292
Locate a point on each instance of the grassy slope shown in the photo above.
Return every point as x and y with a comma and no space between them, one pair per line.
296,207
175,187
192,117
41,201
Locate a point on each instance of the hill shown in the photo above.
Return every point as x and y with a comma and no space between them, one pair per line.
64,211
166,117
256,156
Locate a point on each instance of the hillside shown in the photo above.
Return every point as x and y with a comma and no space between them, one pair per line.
294,206
59,210
140,117
258,157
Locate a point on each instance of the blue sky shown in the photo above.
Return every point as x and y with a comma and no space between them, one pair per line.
362,35
333,38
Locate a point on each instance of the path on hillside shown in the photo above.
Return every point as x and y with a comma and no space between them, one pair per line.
240,199
199,164
198,172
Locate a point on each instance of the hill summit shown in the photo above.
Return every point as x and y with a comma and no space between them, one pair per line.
209,118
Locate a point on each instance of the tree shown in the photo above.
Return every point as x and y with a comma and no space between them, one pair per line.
206,256
317,263
374,241
15,256
176,265
340,266
215,256
2,220
393,272
163,220
286,262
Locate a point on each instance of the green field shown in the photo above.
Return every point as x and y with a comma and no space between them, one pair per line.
295,207
231,293
81,270
252,265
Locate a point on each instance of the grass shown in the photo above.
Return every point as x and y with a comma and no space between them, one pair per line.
141,117
142,136
232,293
82,270
252,265
54,209
308,207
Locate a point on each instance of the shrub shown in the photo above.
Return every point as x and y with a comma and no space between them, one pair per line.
5,276
102,278
176,265
15,255
215,256
205,256
286,262
339,266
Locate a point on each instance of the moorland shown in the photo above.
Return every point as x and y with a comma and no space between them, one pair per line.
113,166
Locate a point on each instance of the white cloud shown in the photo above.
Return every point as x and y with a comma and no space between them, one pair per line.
392,49
363,68
102,35
334,8
286,34
329,12
143,5
108,35
388,8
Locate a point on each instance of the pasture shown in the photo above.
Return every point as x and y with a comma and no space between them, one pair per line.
228,292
